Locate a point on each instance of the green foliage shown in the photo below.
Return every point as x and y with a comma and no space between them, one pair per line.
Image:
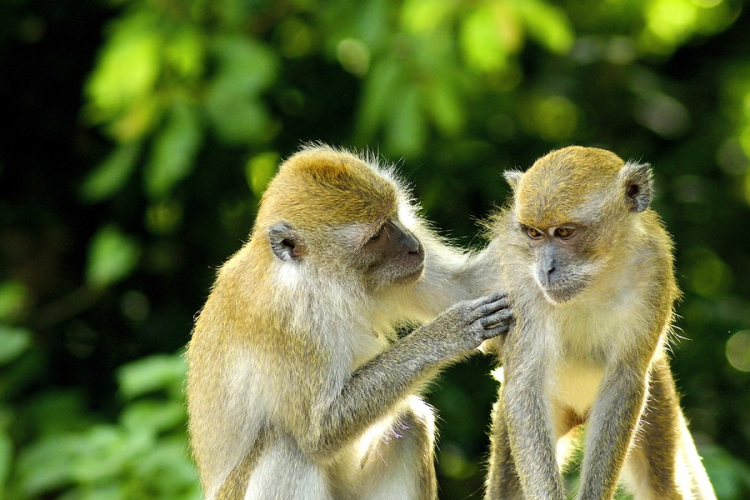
233,102
13,342
112,256
112,173
730,477
152,374
144,134
174,151
144,455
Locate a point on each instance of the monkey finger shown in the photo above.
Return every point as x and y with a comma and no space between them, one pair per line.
487,308
501,327
502,318
487,299
495,331
495,296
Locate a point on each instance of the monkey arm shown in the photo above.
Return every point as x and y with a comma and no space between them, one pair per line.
371,392
610,429
526,407
378,385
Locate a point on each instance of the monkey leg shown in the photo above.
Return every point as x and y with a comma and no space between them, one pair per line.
502,479
663,462
691,475
283,472
396,458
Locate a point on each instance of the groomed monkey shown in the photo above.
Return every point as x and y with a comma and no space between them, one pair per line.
588,267
294,391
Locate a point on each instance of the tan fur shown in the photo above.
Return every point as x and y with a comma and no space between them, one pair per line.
593,315
294,390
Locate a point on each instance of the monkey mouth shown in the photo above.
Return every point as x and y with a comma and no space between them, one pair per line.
411,276
560,294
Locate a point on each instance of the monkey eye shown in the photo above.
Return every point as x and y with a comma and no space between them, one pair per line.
378,234
564,232
532,233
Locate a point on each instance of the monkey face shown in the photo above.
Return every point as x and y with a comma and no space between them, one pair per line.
559,266
569,209
392,255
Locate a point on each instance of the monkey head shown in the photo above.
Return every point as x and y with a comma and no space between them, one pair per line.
569,211
334,215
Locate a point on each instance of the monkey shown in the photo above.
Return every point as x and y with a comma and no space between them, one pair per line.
588,267
297,386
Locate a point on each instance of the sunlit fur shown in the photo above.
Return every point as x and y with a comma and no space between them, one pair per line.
597,354
278,341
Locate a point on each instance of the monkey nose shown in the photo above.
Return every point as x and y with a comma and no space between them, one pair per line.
412,245
548,272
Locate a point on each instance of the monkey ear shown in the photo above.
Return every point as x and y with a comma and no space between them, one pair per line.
286,242
637,183
512,177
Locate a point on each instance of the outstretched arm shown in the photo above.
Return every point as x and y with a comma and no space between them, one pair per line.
378,385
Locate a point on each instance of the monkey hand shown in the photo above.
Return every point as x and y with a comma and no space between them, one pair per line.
467,324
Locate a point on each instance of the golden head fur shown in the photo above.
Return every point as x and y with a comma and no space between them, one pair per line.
320,187
551,192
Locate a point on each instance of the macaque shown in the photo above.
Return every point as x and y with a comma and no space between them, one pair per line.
589,270
297,387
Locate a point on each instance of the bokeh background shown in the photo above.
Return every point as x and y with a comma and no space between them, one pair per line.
138,136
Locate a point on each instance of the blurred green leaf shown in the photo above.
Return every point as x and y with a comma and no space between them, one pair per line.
445,107
71,414
112,257
236,118
481,39
730,477
100,492
259,171
6,457
128,65
174,150
13,343
246,69
419,16
378,90
169,461
151,374
548,24
185,51
84,458
249,62
13,295
110,176
164,217
156,416
407,130
707,274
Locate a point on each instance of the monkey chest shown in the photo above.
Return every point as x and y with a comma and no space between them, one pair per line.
587,345
575,385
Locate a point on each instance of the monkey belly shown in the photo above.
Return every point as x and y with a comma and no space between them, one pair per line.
577,385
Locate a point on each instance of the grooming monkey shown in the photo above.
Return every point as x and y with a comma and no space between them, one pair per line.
588,267
293,389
